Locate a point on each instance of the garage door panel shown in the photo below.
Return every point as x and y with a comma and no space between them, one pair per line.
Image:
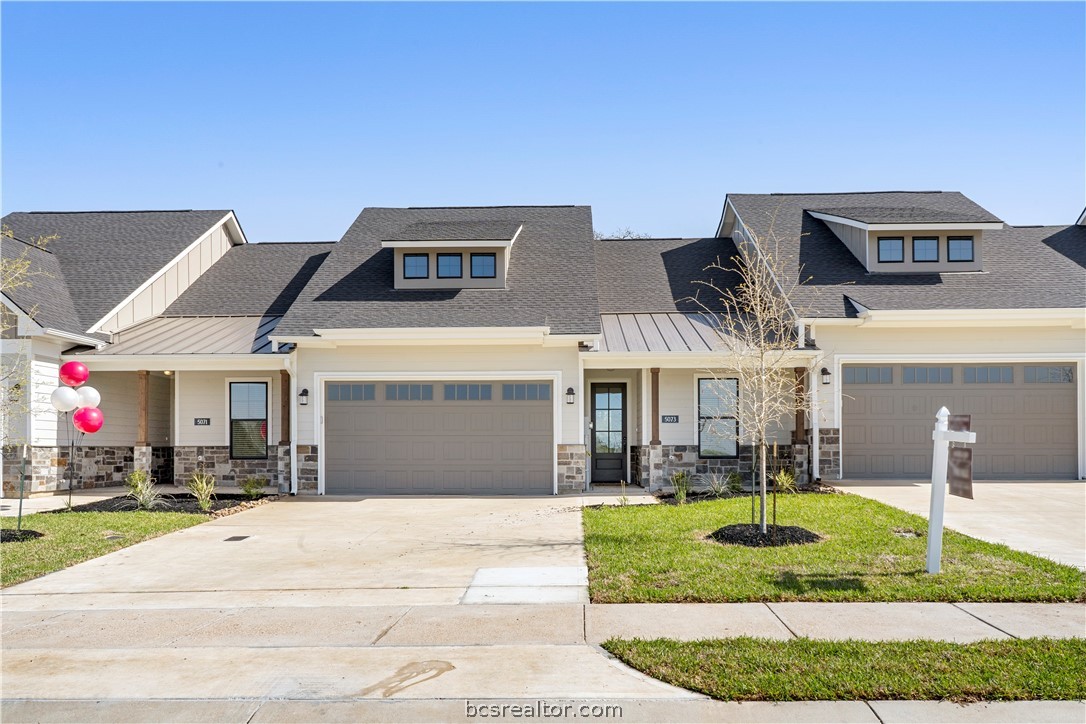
1023,429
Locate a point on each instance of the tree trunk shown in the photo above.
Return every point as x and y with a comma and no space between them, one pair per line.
762,451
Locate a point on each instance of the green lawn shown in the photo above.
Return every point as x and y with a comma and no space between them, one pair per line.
747,669
71,538
658,553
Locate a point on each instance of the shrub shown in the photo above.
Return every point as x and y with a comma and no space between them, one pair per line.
253,486
786,481
202,487
141,489
716,484
735,482
680,480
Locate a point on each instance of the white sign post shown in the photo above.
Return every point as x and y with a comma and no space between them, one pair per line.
942,437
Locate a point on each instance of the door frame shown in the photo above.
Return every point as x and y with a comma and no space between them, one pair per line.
625,424
319,378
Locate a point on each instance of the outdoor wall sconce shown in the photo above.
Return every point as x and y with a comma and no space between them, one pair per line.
303,397
168,373
569,395
825,376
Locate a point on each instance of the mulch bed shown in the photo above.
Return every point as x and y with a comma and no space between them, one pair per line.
750,535
10,535
221,505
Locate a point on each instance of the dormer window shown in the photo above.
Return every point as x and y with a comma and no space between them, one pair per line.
926,248
416,266
959,248
891,249
450,266
484,266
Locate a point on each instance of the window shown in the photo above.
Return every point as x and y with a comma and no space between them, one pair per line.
450,266
1062,373
891,249
925,248
526,391
402,393
868,375
351,392
416,266
468,392
248,420
484,266
927,375
959,248
718,428
988,375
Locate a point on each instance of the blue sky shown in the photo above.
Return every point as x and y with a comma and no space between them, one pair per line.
299,115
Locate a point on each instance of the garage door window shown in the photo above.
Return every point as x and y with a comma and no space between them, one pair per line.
351,392
404,393
988,375
468,392
927,375
869,375
248,420
718,428
526,391
1056,375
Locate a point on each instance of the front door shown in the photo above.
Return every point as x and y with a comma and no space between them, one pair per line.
609,432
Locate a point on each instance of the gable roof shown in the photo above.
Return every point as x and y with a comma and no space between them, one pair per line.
252,280
1024,267
551,279
104,256
44,296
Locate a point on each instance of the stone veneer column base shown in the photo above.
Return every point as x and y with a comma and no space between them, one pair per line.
829,452
571,467
307,469
284,468
142,458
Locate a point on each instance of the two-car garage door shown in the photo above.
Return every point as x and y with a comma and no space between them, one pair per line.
1024,417
454,437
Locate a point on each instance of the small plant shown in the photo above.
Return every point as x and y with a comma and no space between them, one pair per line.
622,499
202,487
680,480
142,490
253,486
785,481
735,482
716,484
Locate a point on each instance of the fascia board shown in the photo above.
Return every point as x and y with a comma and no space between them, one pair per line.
158,362
1071,316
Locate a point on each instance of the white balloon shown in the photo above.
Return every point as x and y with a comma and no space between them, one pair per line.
64,399
88,396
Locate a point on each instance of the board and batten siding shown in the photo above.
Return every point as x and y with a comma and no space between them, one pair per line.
162,292
205,394
852,237
484,362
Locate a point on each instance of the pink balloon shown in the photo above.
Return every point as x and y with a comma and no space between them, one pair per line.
88,420
74,373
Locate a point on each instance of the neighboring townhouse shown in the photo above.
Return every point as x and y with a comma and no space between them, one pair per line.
501,350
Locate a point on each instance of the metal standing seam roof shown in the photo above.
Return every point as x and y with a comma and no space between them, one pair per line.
660,332
195,335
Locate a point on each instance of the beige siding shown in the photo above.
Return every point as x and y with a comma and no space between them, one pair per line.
174,281
436,362
855,239
205,394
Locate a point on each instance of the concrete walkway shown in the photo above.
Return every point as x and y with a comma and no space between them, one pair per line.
1042,517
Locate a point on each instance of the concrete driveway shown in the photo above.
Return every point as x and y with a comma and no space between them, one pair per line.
1045,518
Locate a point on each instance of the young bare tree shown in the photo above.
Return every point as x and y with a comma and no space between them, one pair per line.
758,325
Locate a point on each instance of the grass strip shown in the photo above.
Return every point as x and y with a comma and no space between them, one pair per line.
870,552
69,538
748,669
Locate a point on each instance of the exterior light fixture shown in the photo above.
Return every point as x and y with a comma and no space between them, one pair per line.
168,373
569,395
303,397
825,376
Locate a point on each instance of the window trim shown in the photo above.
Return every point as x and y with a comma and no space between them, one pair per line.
701,417
492,255
230,382
972,249
926,238
437,267
414,255
878,249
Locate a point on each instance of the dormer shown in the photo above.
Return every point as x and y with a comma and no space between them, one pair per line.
910,240
453,254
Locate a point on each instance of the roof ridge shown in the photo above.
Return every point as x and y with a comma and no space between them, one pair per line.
846,193
498,206
121,211
285,243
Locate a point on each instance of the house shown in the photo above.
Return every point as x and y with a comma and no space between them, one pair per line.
502,350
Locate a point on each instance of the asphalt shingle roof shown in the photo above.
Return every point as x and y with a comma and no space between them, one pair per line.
551,280
492,230
104,256
661,275
44,295
1024,267
909,215
252,279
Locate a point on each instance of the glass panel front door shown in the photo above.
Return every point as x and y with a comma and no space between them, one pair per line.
608,432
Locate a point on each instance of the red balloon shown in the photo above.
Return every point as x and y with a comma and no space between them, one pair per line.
88,420
74,373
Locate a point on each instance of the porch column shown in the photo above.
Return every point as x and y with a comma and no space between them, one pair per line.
656,459
286,399
800,448
141,451
655,371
